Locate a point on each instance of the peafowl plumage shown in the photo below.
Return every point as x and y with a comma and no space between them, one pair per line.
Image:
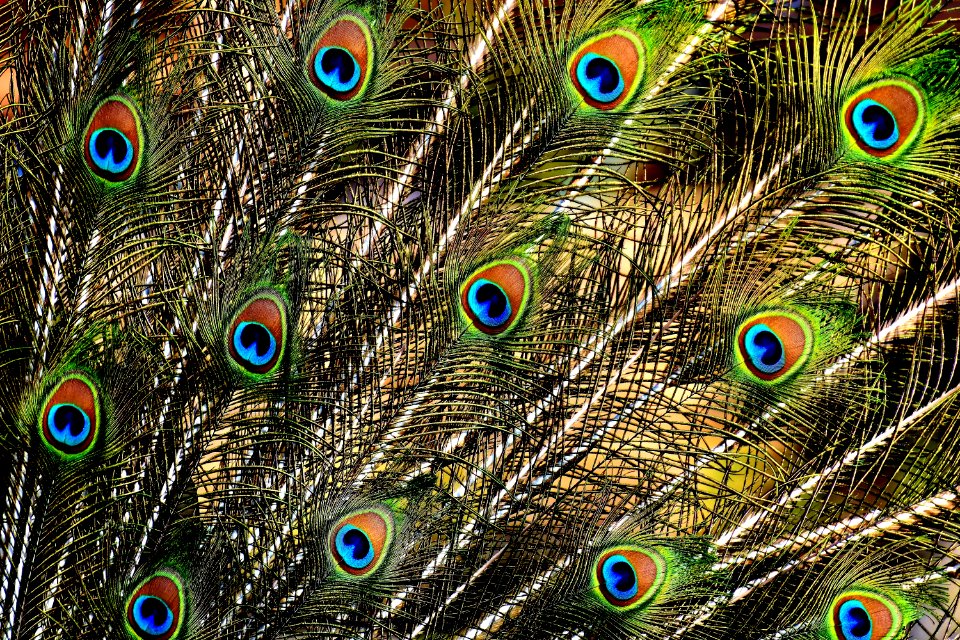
374,319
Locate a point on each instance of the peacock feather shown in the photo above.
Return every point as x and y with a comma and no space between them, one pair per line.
480,319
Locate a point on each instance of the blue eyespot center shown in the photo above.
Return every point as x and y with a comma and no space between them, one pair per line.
600,78
489,303
68,424
354,547
875,125
152,615
855,622
111,151
337,69
620,578
254,343
765,349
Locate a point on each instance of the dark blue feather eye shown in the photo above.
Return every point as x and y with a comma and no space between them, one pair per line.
70,419
156,608
863,615
257,335
113,141
626,577
855,622
876,126
774,345
605,70
360,541
336,69
764,349
489,303
254,343
354,547
111,151
884,117
494,297
152,616
600,78
340,63
69,425
619,578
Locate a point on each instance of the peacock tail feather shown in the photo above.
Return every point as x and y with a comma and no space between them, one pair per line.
480,319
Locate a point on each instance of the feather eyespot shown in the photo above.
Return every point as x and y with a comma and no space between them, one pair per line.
884,117
626,577
359,541
70,419
495,296
340,63
861,615
257,335
113,142
605,70
156,608
771,346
